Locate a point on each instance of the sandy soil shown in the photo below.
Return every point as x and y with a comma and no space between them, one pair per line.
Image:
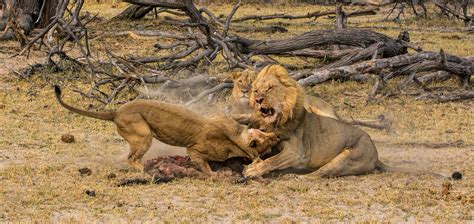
39,177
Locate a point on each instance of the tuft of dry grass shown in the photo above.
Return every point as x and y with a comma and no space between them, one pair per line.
39,175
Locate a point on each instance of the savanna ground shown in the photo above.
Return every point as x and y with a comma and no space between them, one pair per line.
39,175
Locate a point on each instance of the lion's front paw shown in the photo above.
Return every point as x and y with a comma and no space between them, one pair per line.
254,170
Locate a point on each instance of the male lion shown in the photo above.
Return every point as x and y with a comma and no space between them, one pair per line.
206,139
240,104
325,146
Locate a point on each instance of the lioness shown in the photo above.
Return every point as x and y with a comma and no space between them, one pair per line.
206,139
240,104
326,146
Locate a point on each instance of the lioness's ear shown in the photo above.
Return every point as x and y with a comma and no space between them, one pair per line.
235,75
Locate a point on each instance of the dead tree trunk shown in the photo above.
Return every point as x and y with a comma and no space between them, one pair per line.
18,18
134,12
356,38
47,12
41,11
28,6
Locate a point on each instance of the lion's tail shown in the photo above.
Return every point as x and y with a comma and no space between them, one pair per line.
109,116
379,166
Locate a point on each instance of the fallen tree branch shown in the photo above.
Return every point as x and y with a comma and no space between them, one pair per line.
325,54
136,34
133,12
170,4
461,67
447,97
314,15
356,38
457,144
438,76
233,27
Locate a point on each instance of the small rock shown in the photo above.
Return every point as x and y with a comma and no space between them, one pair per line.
68,138
381,117
111,176
456,176
90,193
85,171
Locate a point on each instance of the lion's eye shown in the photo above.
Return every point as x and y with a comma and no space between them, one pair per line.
269,88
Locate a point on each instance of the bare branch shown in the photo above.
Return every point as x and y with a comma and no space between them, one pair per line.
217,88
315,15
231,14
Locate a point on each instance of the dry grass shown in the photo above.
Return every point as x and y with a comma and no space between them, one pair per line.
40,182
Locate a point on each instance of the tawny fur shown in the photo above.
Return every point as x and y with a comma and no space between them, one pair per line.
206,139
240,103
239,100
325,146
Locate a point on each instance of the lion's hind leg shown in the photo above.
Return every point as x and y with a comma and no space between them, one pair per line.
358,160
136,131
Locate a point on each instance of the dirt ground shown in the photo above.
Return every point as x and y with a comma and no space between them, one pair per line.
40,181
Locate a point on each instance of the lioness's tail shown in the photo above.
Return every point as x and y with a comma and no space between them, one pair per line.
99,115
384,168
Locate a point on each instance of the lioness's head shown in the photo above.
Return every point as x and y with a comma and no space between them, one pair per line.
274,96
261,141
243,85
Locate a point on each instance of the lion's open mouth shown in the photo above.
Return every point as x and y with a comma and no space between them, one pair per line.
266,112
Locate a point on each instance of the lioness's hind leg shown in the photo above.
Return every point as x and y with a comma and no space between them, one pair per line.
138,135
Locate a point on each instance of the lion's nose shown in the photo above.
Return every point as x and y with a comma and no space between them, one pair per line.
259,99
245,90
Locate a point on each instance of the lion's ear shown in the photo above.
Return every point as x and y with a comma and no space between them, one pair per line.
235,75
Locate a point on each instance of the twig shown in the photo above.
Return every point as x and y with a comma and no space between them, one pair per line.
375,89
231,14
215,89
